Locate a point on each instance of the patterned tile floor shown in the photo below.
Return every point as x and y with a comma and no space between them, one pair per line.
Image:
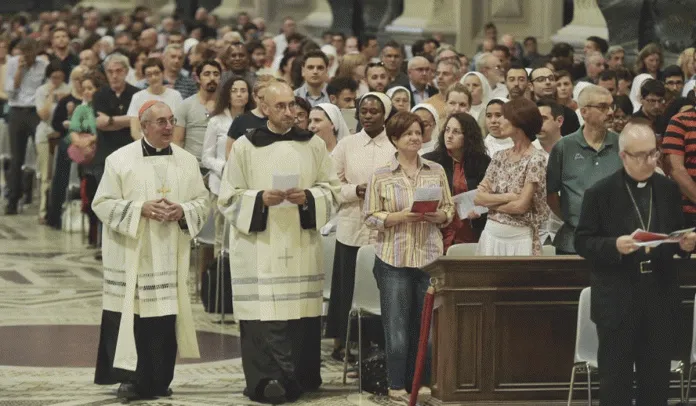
50,308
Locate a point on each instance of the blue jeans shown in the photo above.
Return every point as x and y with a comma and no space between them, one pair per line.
401,295
59,185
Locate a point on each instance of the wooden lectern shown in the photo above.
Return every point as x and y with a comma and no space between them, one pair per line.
504,327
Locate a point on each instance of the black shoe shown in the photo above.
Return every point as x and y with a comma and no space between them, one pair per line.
274,392
165,394
11,209
127,391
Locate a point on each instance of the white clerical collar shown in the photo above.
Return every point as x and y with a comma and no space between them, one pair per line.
152,146
269,129
641,184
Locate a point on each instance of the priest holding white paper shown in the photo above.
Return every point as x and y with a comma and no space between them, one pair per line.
275,250
152,201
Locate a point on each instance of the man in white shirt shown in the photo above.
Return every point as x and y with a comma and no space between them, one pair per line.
24,74
154,73
281,40
490,66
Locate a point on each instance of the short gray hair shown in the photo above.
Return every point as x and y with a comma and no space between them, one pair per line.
632,131
454,63
482,59
588,94
614,49
591,56
116,58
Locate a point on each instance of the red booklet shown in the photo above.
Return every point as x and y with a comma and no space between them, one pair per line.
425,206
646,236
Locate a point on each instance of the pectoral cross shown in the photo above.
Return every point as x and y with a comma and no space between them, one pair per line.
163,191
286,257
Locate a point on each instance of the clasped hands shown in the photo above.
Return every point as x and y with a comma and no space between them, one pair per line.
627,245
275,197
162,210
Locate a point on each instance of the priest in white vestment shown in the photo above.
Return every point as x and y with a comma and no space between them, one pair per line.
278,188
152,202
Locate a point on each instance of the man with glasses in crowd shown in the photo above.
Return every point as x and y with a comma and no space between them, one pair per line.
418,81
276,259
544,87
578,161
491,67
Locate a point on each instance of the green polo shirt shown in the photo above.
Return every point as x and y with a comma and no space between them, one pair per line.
573,167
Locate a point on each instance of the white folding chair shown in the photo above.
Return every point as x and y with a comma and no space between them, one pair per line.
548,251
692,360
365,300
206,236
586,345
462,250
328,243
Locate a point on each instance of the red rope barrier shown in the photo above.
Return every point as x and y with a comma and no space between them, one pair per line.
426,318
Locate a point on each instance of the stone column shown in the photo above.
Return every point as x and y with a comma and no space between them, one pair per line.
423,18
587,21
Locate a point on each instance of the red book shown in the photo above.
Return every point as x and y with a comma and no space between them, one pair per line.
646,236
426,206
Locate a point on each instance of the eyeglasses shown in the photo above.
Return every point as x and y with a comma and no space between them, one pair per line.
645,156
674,82
603,107
162,122
542,79
374,64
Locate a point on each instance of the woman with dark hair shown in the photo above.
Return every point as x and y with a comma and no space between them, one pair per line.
83,136
356,157
233,99
514,188
406,241
461,153
302,112
285,67
623,110
137,58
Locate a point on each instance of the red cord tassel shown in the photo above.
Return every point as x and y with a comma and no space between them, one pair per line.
426,318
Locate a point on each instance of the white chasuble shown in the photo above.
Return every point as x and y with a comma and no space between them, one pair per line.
277,273
146,262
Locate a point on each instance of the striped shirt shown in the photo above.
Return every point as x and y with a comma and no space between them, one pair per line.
680,139
389,191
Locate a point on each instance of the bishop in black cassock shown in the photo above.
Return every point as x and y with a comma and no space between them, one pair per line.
634,298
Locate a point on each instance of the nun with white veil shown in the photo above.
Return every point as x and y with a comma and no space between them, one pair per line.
579,87
332,54
635,90
480,90
327,123
431,126
356,157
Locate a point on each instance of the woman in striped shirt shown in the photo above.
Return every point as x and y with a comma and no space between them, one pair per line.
406,242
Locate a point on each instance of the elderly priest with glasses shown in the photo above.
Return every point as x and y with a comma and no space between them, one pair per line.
152,201
278,188
635,301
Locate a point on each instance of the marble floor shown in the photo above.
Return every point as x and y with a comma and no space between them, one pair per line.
50,308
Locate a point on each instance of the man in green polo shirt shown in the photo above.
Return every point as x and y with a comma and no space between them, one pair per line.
579,160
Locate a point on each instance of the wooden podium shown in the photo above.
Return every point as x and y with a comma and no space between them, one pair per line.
504,328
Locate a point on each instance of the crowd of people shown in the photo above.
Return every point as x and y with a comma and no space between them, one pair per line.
371,128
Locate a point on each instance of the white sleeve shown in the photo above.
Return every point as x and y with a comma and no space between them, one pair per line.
209,157
135,105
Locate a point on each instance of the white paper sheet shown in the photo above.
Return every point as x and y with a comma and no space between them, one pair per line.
464,202
427,194
285,181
